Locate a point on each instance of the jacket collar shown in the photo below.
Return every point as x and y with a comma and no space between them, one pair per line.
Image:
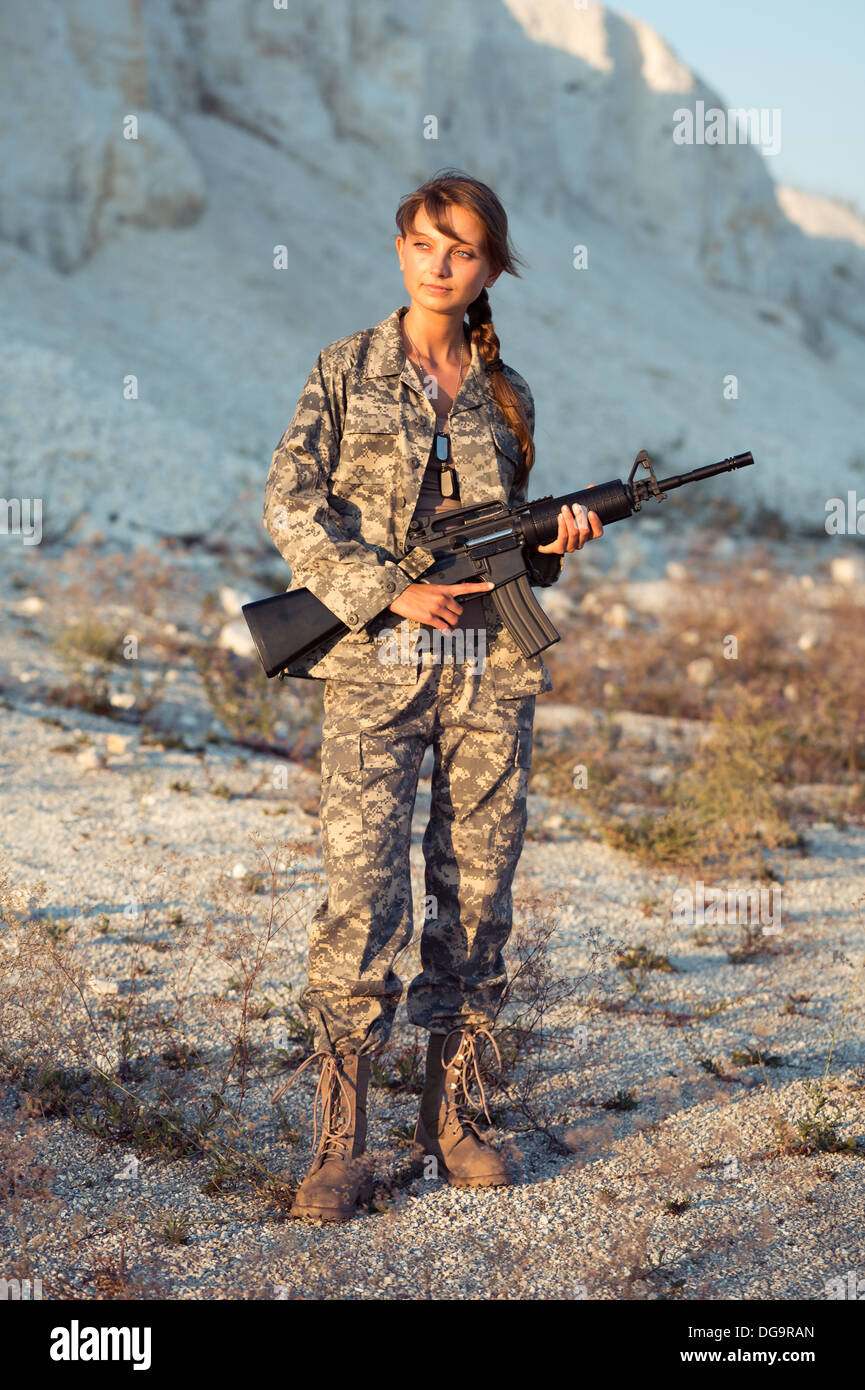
386,357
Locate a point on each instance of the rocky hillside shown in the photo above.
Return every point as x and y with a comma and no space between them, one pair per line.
151,259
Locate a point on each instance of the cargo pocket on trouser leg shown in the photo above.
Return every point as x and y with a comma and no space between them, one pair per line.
341,801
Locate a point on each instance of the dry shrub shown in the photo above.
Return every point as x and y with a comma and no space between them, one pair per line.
126,1070
811,692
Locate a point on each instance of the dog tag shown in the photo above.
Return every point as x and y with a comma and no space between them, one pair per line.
447,482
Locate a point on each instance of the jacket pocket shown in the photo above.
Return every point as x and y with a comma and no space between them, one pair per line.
516,676
368,479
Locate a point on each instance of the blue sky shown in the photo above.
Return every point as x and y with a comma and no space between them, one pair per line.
806,59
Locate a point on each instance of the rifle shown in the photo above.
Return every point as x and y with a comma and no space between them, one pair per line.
486,541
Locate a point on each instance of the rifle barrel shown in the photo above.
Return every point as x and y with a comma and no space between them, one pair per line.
725,466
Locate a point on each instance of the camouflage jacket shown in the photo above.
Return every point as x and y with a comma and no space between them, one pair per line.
343,485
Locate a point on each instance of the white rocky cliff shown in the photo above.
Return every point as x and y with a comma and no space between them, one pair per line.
152,258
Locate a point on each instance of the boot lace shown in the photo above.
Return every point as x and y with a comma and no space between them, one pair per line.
464,1064
329,1093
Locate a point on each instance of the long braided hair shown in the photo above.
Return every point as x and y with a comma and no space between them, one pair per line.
434,196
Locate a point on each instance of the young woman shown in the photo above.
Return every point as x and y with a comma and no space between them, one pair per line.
414,416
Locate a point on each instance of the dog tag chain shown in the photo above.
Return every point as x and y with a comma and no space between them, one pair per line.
442,440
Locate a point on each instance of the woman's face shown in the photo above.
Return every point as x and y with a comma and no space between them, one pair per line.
457,264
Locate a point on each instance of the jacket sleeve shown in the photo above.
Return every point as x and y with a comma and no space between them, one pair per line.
354,580
543,570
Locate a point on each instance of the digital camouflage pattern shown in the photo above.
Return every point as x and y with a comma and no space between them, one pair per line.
374,739
344,483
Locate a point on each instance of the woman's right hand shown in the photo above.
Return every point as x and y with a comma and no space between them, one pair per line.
434,603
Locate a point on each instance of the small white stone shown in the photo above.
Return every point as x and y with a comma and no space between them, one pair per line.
848,570
102,987
650,596
239,871
28,607
617,615
107,1062
806,641
660,774
121,699
701,671
89,759
232,601
236,637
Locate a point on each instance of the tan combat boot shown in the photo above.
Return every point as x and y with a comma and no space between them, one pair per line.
338,1180
466,1159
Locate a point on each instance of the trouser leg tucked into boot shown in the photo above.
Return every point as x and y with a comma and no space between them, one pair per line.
466,1158
338,1180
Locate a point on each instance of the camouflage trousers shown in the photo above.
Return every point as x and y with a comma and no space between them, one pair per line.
373,742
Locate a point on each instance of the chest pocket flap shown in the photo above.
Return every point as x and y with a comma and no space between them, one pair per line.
372,417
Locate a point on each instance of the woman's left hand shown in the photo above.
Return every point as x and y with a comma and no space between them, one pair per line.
575,528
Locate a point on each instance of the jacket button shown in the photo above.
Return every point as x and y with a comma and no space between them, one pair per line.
352,617
390,586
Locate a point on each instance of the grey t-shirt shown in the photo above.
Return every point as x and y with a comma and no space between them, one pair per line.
429,503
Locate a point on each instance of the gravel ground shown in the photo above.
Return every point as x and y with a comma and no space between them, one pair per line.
110,838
